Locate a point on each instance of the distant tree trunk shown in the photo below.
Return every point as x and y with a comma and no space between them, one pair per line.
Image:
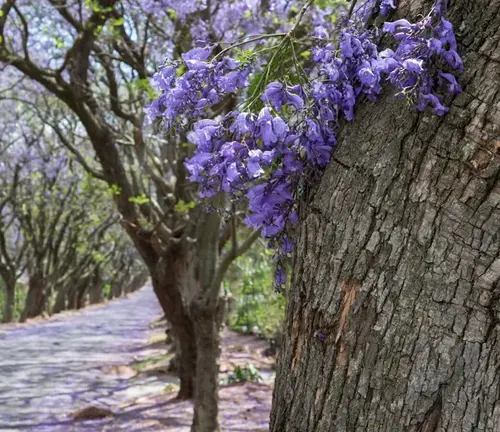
95,288
117,288
37,297
81,293
60,303
394,308
10,300
137,282
72,297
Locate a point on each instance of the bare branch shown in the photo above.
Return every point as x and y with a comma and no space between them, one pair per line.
212,293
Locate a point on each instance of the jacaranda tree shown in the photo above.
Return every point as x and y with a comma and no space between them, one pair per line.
91,61
58,224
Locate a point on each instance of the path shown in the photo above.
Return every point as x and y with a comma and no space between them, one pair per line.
51,368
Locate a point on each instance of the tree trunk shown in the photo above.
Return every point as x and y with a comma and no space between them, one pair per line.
72,297
36,298
394,308
167,275
117,288
96,289
61,302
81,293
10,300
207,326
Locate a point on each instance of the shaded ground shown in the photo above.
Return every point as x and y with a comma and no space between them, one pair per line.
50,369
242,407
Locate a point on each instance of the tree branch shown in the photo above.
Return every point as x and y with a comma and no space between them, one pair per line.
212,294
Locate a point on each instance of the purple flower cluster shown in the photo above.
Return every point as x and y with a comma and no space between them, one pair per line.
236,154
420,65
229,20
201,85
369,7
265,157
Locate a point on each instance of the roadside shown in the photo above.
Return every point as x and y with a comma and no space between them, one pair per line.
51,368
243,406
30,322
106,358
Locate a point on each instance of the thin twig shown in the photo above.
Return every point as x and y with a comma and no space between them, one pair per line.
351,8
244,42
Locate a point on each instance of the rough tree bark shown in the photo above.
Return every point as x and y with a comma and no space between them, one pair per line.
167,276
95,288
9,301
398,264
36,298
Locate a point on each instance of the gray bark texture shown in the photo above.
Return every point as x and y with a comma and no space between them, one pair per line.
36,298
9,301
398,263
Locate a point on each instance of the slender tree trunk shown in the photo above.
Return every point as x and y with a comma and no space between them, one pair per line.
61,302
117,288
10,300
72,302
207,325
394,309
207,311
95,291
36,298
81,293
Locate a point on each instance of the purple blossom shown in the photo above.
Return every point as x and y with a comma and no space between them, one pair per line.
266,157
320,32
271,128
277,95
387,6
202,53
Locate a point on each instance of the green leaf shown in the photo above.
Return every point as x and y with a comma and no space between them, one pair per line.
181,70
140,199
183,207
59,42
118,22
244,56
143,85
97,30
306,54
115,189
172,14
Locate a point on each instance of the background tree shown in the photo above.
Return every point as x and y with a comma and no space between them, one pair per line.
13,247
13,244
95,59
57,225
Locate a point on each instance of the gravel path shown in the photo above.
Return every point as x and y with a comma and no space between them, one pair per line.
51,368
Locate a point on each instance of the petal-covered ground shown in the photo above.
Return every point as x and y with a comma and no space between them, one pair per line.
51,369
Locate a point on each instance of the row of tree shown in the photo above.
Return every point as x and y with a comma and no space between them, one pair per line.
87,73
59,235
